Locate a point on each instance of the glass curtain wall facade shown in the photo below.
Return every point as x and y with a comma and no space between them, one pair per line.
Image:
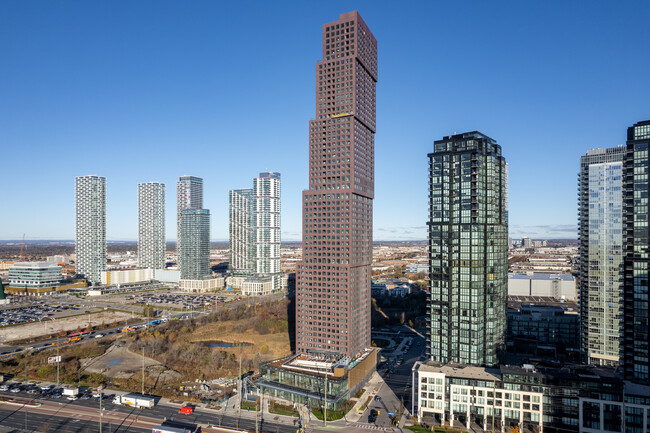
333,279
635,350
90,227
468,235
189,195
195,249
601,254
35,274
151,225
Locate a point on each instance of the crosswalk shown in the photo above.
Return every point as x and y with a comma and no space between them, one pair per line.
374,427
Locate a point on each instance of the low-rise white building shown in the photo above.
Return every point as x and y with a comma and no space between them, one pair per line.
205,285
469,395
253,286
126,276
414,268
560,286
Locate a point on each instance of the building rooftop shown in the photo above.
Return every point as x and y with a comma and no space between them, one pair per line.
466,372
35,265
539,276
319,364
515,301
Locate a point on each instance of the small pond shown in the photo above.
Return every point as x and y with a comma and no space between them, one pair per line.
223,344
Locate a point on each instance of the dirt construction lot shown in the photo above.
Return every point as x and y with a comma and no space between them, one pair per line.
119,362
35,329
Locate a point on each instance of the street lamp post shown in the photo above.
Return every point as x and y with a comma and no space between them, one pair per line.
325,405
101,389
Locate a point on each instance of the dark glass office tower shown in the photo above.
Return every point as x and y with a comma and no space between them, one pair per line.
634,347
195,248
468,250
189,195
333,279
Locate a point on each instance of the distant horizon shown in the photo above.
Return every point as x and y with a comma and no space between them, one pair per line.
18,241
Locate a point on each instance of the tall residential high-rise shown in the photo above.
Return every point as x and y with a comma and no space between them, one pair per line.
635,345
468,252
195,249
189,195
255,234
600,219
333,278
90,237
240,231
151,225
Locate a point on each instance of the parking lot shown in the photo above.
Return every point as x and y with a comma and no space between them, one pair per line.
183,301
49,391
38,311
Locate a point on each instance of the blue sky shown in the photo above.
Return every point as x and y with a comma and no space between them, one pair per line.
152,90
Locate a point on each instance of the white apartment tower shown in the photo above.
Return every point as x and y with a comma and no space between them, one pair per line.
90,237
151,225
602,247
240,231
189,195
255,235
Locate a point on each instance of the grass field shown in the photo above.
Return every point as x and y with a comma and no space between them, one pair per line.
268,346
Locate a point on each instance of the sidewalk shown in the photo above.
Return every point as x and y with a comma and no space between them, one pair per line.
229,408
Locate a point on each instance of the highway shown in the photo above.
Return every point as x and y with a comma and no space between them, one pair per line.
54,415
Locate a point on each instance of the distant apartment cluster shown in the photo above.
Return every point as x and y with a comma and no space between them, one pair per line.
255,236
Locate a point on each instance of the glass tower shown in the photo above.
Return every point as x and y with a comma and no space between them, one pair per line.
151,225
468,253
635,352
601,254
90,227
195,249
333,278
189,195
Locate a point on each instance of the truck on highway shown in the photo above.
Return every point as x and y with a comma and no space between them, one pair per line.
135,400
186,409
71,391
155,322
167,429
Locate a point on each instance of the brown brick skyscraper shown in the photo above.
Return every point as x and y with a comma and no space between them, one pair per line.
333,280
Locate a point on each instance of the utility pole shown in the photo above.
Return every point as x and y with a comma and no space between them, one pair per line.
240,382
101,389
142,370
58,360
325,405
257,425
